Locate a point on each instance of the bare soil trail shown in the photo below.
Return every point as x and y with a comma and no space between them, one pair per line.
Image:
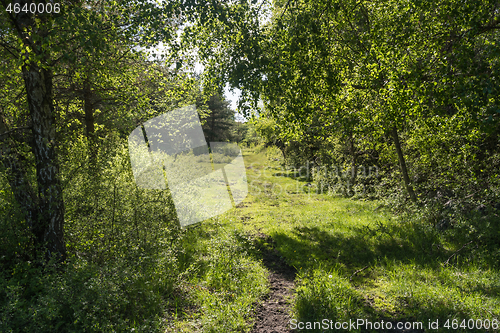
273,315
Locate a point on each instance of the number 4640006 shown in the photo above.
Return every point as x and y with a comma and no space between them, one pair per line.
34,8
471,324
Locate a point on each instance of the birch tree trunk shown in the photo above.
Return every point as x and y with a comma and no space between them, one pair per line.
48,228
42,204
89,122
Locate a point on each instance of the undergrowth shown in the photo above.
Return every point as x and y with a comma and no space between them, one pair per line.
132,268
129,267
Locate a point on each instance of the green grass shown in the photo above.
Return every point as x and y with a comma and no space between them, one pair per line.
222,281
131,268
354,259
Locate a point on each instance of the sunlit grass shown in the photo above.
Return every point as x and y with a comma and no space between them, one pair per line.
357,260
354,259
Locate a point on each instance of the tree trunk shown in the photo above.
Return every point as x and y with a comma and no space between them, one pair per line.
89,111
49,225
402,164
47,219
281,146
89,122
354,168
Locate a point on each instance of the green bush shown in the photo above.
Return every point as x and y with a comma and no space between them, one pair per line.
123,245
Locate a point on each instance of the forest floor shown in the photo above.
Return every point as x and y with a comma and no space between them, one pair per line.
333,261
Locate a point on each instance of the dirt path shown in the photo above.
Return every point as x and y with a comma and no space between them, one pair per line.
273,314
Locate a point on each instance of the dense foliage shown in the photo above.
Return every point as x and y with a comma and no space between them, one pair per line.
407,88
82,248
390,100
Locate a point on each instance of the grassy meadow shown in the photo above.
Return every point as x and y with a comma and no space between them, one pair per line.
354,259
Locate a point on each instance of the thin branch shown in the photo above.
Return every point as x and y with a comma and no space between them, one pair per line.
258,10
8,48
284,10
55,61
15,129
465,245
494,25
358,271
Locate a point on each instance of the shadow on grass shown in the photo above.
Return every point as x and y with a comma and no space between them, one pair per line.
295,175
355,255
357,247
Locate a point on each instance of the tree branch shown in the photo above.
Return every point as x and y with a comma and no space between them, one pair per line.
15,129
465,245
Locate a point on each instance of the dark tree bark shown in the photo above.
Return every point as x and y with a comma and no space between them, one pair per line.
49,226
402,165
89,111
45,212
281,146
